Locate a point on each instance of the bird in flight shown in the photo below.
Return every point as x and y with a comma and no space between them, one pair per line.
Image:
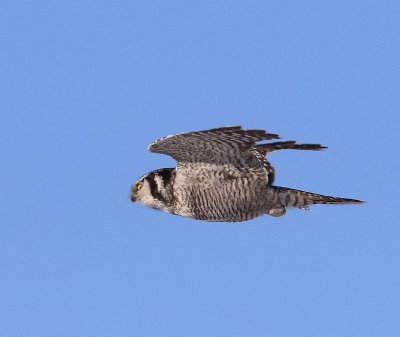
222,174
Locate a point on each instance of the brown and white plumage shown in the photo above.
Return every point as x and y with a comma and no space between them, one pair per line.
222,175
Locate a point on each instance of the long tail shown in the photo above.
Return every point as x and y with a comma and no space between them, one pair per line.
283,197
296,198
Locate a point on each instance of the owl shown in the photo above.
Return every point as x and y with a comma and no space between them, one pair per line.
222,174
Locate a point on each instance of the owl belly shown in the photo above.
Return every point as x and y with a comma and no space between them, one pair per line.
230,201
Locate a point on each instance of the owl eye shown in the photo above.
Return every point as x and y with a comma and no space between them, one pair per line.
139,186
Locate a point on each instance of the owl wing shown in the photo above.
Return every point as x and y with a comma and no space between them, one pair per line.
261,151
227,145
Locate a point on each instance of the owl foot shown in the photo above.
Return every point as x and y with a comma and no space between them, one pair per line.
277,211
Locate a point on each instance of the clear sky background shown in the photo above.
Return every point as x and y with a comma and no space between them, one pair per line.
87,85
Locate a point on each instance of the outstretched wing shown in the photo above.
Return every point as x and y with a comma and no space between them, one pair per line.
287,145
260,151
227,145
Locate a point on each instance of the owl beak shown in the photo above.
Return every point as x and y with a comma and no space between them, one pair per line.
133,197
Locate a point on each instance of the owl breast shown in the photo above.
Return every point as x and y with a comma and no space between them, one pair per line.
230,200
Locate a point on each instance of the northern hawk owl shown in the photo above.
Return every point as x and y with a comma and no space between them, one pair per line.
223,175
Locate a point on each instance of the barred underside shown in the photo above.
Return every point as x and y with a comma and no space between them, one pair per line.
236,200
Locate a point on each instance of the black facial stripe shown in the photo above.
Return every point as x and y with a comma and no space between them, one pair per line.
154,187
165,175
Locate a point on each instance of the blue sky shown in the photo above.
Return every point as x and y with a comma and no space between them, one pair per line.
87,85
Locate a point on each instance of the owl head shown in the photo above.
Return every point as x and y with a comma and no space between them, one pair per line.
154,189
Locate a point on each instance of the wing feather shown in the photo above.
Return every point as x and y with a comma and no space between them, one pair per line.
227,145
261,150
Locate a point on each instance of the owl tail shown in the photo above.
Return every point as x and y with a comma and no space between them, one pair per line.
287,197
